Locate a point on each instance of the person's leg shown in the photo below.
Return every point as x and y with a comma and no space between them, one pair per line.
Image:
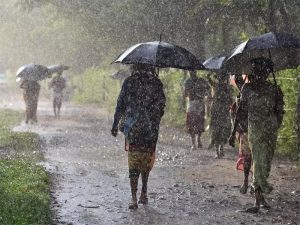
134,159
133,186
143,197
199,140
54,107
247,166
217,156
27,108
35,99
58,108
258,198
221,150
193,141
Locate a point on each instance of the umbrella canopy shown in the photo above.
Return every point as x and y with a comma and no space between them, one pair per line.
33,72
57,68
282,48
120,75
215,62
160,54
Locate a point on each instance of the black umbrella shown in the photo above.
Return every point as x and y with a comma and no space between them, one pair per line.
120,74
33,72
59,68
282,48
160,54
214,63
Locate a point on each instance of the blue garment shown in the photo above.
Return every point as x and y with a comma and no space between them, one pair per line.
141,102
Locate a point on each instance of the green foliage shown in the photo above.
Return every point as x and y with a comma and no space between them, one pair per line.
175,106
24,194
287,139
9,118
96,86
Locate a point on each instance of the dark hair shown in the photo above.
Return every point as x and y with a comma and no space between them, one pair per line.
261,68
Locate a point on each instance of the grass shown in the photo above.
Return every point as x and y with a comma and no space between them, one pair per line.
24,193
24,186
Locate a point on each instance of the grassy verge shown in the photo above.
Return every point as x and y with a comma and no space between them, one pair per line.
24,186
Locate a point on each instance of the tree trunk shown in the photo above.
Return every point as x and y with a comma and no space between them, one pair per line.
285,17
271,19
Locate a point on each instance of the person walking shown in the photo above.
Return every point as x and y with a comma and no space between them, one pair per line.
140,104
31,90
262,105
220,123
195,90
58,84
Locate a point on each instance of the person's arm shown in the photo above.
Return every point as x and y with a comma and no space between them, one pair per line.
241,114
279,108
210,81
120,109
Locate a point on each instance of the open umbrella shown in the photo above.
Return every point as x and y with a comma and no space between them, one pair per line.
160,54
32,72
57,68
214,63
282,48
120,74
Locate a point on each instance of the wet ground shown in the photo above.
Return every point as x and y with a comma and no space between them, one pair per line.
91,185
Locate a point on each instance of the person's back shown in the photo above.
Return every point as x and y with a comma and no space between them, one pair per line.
196,88
58,83
31,91
141,98
261,103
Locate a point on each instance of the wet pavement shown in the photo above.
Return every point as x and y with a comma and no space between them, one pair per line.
91,186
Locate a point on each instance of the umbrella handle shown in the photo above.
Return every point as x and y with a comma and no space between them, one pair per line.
270,57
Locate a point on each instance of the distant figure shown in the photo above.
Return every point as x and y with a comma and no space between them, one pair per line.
262,105
141,103
195,90
220,123
58,84
31,90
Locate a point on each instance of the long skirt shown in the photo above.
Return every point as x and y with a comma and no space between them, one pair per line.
195,122
262,140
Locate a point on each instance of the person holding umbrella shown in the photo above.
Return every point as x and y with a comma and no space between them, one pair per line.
262,105
31,90
29,75
141,104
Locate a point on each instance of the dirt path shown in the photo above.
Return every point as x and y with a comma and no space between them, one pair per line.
91,185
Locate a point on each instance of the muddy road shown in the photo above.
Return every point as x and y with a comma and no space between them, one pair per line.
91,185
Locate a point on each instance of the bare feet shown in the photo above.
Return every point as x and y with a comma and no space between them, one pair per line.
133,205
143,200
244,188
254,210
